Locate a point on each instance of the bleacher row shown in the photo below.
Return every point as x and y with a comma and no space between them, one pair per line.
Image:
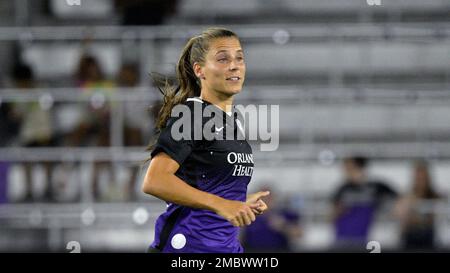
366,63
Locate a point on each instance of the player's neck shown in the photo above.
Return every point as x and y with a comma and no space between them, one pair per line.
225,103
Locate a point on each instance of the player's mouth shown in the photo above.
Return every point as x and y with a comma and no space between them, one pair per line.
234,79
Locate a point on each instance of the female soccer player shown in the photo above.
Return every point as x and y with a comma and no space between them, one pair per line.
204,182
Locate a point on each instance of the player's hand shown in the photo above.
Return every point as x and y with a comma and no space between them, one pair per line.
262,207
237,213
255,198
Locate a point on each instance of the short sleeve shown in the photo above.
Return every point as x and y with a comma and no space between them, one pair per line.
178,150
385,191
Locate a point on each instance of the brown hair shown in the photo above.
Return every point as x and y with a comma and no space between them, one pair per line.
428,191
188,84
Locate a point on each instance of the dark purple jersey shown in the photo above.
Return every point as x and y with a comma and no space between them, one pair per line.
359,203
221,167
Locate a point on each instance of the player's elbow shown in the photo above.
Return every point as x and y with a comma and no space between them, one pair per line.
146,189
150,185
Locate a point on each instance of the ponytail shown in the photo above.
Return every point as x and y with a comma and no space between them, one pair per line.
188,85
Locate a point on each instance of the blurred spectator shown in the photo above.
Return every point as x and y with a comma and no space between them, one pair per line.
417,221
9,127
136,118
355,203
4,166
35,129
145,12
9,124
94,126
274,231
96,118
89,74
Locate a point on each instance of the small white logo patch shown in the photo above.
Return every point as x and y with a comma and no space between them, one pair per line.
178,241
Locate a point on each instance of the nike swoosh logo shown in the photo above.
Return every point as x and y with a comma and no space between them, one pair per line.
219,129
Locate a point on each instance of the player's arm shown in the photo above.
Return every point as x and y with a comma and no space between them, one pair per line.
255,198
337,207
337,210
161,181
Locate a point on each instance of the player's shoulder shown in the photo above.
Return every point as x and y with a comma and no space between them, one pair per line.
193,102
185,112
200,110
179,110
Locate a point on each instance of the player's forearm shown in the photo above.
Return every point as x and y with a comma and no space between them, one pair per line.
170,188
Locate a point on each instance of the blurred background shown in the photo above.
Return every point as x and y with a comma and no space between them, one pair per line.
364,95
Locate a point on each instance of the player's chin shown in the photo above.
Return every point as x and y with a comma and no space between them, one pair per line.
233,90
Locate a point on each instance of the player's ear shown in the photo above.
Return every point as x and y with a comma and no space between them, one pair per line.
198,70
